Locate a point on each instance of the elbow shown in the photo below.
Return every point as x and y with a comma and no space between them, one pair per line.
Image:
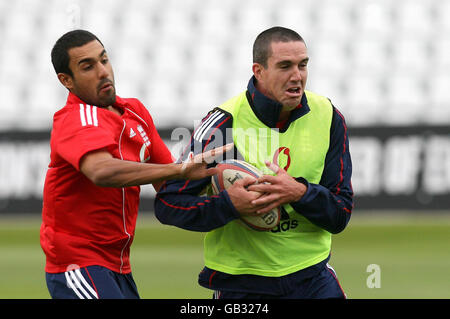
98,181
339,224
336,229
101,169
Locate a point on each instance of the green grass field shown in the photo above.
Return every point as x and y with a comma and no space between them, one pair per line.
412,252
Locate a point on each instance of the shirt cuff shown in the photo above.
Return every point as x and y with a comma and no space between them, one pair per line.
230,204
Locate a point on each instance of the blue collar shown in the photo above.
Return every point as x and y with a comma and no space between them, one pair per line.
268,110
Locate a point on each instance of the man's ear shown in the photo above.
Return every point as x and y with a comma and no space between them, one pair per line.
257,70
66,80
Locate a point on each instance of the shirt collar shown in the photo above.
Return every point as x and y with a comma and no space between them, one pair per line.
74,99
268,111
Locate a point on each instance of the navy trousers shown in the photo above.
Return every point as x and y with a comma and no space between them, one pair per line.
92,282
324,285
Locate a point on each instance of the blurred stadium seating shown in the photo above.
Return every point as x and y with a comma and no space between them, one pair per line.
381,62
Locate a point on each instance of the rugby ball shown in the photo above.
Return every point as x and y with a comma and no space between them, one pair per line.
229,172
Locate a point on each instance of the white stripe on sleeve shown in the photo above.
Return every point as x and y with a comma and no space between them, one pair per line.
217,119
88,114
82,116
206,126
94,115
199,130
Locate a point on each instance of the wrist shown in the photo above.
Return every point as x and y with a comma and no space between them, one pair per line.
302,189
178,171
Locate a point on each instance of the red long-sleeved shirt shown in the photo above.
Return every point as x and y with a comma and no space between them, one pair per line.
84,224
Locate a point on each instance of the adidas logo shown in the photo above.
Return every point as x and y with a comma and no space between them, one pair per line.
132,133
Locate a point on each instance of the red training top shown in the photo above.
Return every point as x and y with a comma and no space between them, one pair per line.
84,224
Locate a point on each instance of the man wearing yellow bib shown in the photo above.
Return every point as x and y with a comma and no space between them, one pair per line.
299,140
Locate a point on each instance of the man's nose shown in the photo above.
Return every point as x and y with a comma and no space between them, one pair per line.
102,71
296,75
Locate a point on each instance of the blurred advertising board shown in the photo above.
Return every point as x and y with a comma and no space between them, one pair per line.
405,168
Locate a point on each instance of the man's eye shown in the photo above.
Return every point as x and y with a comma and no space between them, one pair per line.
104,61
88,67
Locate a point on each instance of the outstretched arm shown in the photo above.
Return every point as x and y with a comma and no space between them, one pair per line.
105,170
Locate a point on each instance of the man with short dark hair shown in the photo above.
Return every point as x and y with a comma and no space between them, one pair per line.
299,139
102,148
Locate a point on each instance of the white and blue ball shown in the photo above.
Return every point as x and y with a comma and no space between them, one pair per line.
229,172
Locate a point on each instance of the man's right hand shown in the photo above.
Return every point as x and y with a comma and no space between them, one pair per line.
195,167
242,198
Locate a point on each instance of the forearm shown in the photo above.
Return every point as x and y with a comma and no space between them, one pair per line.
324,208
194,213
119,173
112,172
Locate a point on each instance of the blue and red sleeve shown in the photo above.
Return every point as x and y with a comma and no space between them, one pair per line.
178,202
329,204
